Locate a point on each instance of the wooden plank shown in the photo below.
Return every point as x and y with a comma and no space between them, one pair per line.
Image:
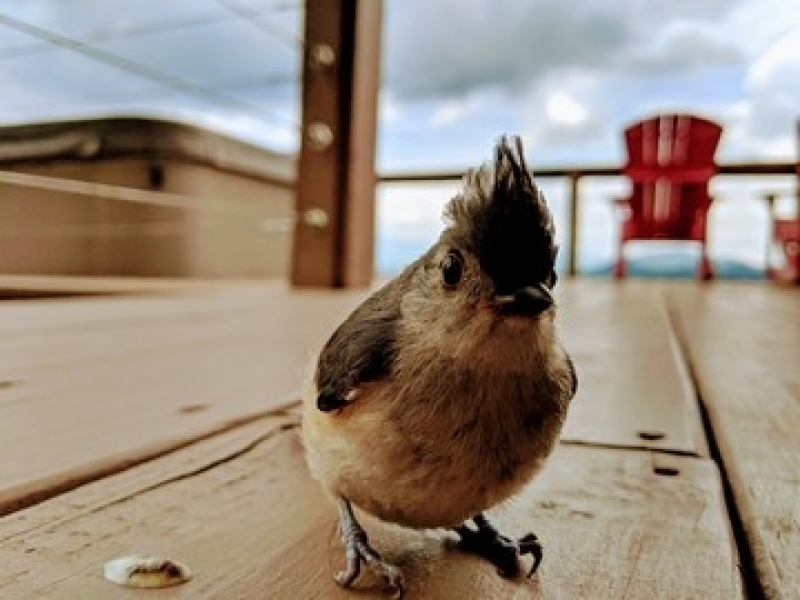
183,302
241,511
744,344
84,383
633,387
102,380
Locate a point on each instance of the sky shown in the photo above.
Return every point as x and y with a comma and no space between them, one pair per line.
456,74
570,75
567,76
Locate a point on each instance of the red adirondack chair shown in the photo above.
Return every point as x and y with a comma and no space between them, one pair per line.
670,163
786,236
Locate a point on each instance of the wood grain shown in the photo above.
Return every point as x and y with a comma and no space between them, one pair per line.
241,512
633,387
744,344
89,381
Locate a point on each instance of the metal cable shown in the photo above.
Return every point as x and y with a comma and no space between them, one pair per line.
177,24
144,71
253,16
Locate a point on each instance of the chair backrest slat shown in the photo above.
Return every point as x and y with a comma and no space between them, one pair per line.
670,163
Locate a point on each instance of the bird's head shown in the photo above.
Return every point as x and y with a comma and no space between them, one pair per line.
494,261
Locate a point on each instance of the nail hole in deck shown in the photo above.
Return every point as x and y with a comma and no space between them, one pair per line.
651,435
666,471
5,384
188,409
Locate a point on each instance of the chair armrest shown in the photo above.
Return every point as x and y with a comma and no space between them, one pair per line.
787,229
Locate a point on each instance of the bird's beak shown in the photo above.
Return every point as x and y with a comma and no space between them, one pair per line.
529,301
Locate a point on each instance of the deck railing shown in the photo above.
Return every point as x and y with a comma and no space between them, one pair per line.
576,175
282,225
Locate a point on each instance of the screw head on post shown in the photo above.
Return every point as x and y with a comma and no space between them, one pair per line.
316,218
321,56
319,136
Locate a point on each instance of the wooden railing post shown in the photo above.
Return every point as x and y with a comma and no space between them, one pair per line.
770,199
572,220
335,203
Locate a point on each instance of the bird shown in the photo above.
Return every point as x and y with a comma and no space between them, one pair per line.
445,391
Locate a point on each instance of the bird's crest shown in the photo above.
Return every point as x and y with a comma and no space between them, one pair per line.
502,218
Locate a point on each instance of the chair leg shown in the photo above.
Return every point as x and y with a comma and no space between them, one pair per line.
791,251
619,268
706,271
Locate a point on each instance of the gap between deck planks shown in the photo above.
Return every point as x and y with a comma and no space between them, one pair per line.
633,389
241,511
744,344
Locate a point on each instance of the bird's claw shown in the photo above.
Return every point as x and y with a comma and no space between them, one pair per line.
530,544
358,551
502,551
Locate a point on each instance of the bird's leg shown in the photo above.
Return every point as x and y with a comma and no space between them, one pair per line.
358,550
501,551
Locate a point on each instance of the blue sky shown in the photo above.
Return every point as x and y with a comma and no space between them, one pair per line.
566,75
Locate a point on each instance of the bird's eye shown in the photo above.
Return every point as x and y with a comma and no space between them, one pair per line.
452,268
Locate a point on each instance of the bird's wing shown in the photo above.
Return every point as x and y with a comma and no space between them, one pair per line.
362,349
573,374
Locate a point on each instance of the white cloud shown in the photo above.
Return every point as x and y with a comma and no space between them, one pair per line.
754,25
682,47
449,112
762,124
568,75
778,67
388,108
449,48
564,110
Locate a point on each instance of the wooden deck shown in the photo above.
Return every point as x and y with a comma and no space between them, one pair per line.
163,419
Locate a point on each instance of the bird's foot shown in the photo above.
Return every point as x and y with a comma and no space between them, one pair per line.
500,550
358,551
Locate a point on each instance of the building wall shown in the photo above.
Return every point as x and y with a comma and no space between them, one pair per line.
49,232
215,243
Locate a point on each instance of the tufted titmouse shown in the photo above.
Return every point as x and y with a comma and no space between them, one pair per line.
446,390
